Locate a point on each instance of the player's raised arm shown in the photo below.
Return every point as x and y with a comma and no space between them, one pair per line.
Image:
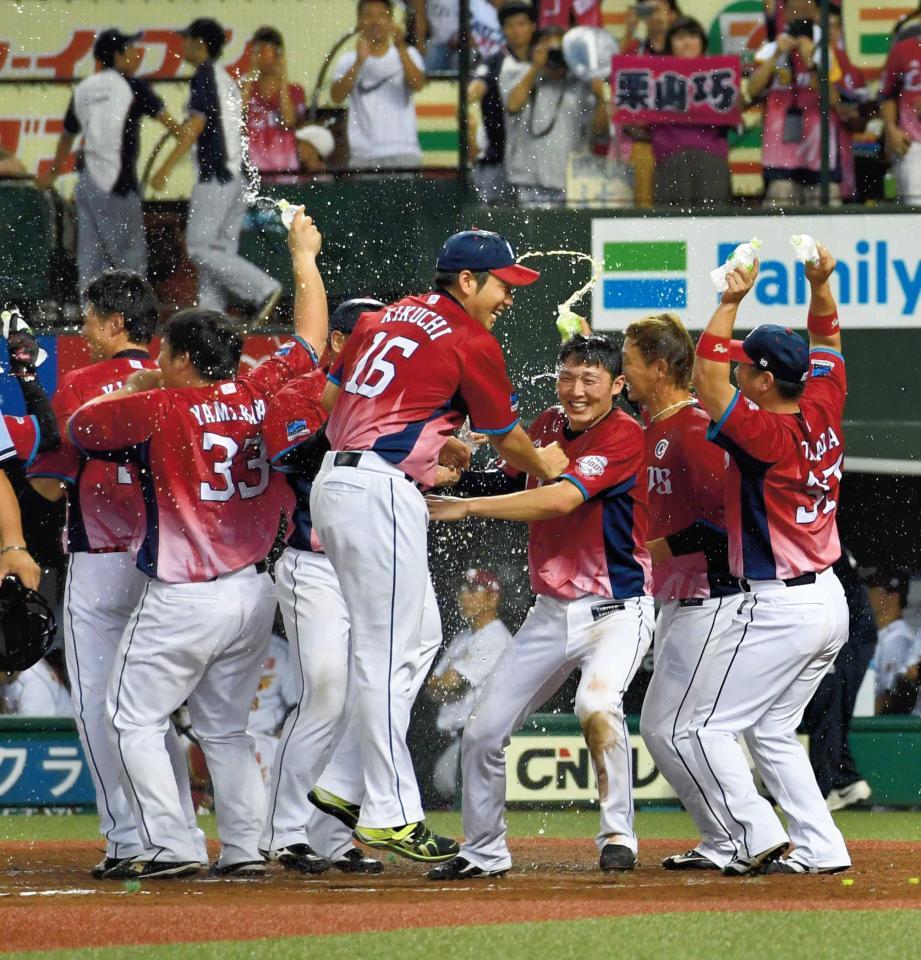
311,314
711,363
824,329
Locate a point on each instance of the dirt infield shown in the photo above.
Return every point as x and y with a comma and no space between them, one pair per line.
48,901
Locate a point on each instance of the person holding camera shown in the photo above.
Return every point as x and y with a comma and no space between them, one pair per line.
550,115
791,142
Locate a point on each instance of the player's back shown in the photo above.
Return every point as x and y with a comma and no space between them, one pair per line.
212,503
104,503
410,374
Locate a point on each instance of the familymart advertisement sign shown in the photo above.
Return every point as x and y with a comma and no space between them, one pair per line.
656,264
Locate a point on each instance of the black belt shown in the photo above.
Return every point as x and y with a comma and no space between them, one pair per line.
693,602
799,581
261,566
352,458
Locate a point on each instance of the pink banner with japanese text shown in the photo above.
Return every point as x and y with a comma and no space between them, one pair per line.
698,90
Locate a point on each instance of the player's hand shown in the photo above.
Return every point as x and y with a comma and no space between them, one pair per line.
19,563
304,237
818,273
158,181
455,453
738,283
539,57
554,460
897,141
447,508
806,47
23,350
142,380
659,550
786,43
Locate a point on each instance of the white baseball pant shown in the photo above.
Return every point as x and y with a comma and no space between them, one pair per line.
556,637
686,635
373,524
203,643
323,729
758,681
907,173
101,593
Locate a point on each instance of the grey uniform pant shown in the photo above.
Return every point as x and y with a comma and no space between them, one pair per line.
212,237
110,231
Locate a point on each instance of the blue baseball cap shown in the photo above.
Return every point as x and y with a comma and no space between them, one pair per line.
777,350
480,250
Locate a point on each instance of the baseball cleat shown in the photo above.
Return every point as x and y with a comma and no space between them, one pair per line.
354,861
857,792
616,856
462,869
334,806
413,840
243,870
744,866
300,857
112,868
692,860
163,869
787,865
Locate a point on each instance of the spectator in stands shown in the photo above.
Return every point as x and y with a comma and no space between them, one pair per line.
107,108
550,115
791,139
898,652
568,13
850,100
463,667
827,719
274,107
652,18
217,204
315,145
443,16
518,26
900,90
378,79
691,160
40,691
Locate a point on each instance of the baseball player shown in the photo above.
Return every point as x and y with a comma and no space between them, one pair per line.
103,586
782,431
106,108
689,548
408,377
590,570
217,205
211,512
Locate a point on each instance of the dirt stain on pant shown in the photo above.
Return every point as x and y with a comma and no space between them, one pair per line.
600,736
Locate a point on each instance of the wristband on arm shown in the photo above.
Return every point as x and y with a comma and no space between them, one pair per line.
711,347
823,326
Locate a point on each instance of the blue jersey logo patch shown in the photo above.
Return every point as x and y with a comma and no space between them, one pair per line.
297,428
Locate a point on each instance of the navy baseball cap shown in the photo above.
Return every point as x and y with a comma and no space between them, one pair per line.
778,350
346,315
110,42
480,250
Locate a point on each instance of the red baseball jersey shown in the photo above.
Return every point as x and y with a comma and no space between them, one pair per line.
600,548
783,477
410,374
901,81
24,434
295,414
211,503
562,13
686,479
104,504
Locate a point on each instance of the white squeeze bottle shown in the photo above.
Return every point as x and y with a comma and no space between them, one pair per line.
805,248
286,211
744,255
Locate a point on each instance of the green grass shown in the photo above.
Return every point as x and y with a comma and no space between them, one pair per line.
854,934
565,824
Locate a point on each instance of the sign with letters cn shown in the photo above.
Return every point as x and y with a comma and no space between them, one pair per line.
697,90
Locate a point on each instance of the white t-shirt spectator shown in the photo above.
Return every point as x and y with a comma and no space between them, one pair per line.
897,649
443,17
473,656
382,115
485,29
38,692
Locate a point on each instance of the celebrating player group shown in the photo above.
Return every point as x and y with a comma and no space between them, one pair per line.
718,503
